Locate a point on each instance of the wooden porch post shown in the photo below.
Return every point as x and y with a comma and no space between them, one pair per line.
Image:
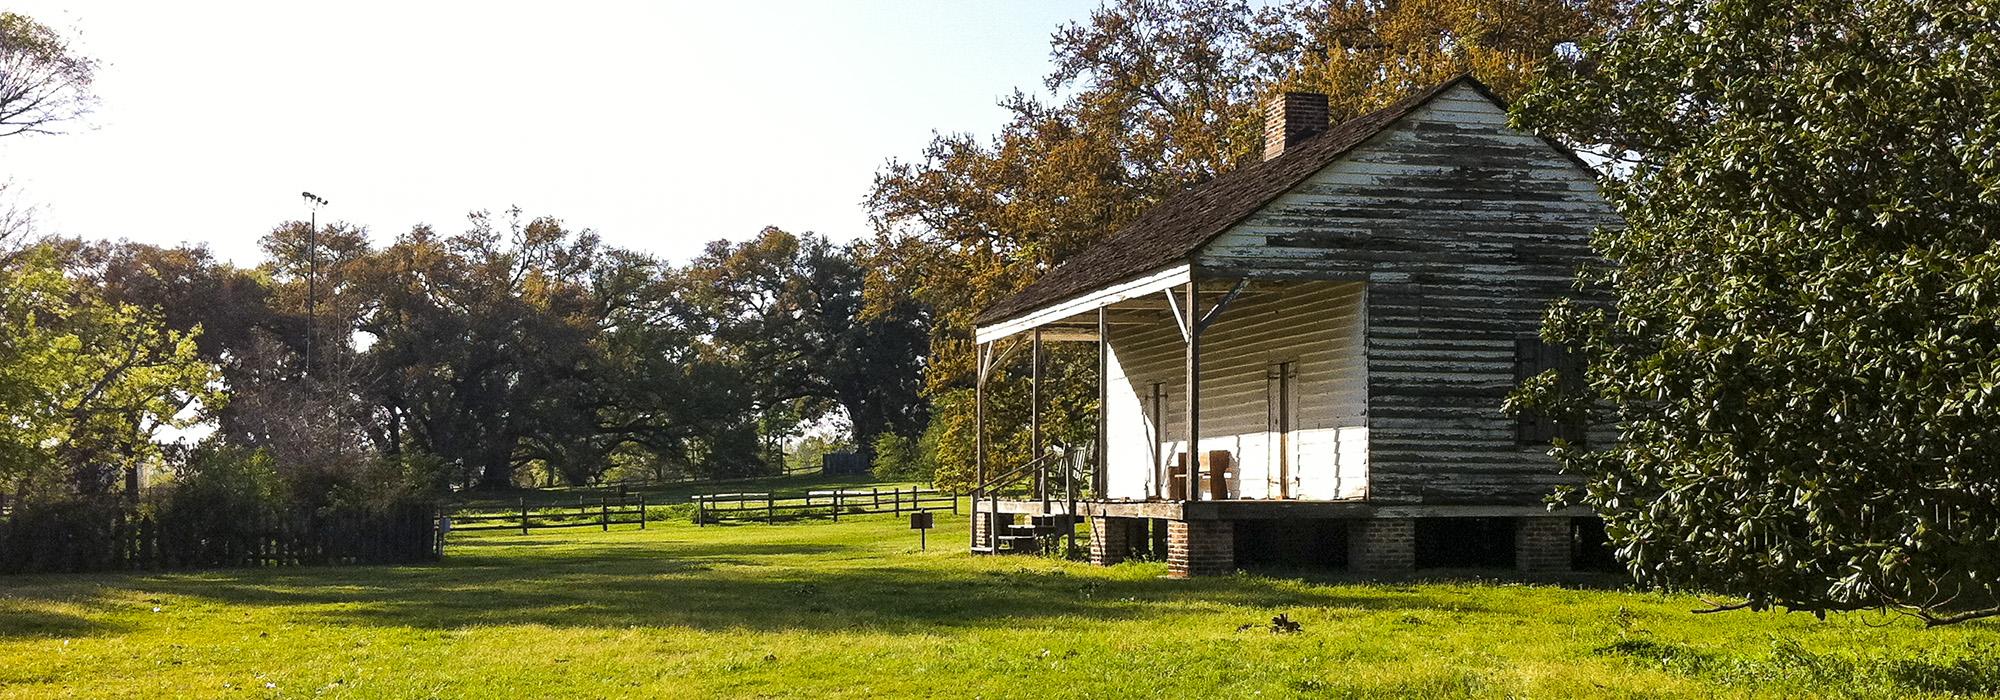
1035,417
978,434
1101,475
1192,309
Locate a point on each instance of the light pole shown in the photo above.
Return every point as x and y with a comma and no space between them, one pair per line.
313,203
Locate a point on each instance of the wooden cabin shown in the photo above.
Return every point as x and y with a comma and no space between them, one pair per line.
1333,331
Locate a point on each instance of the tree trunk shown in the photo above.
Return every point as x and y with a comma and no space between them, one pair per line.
497,471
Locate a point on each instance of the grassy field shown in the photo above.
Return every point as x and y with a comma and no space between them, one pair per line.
817,609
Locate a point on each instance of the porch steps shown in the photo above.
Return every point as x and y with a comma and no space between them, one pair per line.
1026,538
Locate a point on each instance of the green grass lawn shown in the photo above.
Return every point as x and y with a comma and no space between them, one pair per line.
816,609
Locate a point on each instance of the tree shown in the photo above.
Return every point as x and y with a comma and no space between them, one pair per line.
17,223
87,384
1155,96
185,286
1363,54
43,81
531,349
788,311
671,402
480,341
1801,344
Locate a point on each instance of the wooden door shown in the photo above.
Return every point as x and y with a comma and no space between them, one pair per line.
1281,398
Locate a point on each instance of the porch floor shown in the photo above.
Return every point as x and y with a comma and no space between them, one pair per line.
1265,509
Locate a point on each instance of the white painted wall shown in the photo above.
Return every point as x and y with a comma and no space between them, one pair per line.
1317,325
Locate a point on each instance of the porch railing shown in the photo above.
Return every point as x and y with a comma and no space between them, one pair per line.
1055,480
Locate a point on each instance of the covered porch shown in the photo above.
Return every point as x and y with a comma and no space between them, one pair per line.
1263,377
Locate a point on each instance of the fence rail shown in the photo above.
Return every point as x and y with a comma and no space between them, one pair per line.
603,514
624,487
770,507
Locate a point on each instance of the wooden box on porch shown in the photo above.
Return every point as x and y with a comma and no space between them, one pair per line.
1217,466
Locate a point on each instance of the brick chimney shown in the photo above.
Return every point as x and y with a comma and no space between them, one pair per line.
1291,117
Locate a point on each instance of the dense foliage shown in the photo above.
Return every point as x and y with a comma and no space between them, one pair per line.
1151,97
87,383
518,351
523,350
1802,356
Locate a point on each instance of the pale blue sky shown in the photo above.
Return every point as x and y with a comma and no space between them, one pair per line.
661,125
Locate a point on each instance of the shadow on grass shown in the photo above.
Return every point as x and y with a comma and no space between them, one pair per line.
728,586
1967,670
15,623
1413,581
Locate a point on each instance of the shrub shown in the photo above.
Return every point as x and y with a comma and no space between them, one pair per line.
899,456
220,503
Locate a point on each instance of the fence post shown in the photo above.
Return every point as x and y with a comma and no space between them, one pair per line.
954,504
642,511
604,512
700,510
875,497
896,500
524,516
770,508
836,503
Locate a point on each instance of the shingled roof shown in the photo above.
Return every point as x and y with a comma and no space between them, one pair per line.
1174,229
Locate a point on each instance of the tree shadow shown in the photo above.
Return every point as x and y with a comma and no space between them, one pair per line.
1412,581
21,624
736,586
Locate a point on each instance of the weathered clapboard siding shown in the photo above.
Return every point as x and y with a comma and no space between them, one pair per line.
1317,325
1465,230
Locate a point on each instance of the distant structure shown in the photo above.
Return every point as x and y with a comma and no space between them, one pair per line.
1333,330
843,464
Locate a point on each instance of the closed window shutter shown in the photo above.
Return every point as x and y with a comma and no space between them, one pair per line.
1532,356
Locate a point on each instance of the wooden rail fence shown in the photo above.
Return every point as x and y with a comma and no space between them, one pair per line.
770,507
624,487
603,514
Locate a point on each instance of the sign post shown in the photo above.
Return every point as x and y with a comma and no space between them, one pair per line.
922,522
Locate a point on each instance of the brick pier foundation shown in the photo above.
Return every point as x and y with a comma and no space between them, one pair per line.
1382,545
1111,539
980,522
1200,548
1542,545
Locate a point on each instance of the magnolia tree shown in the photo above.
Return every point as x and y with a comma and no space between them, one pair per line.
1801,353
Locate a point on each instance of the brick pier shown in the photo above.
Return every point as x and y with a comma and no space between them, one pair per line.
1200,548
1111,539
1382,545
979,525
1542,545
